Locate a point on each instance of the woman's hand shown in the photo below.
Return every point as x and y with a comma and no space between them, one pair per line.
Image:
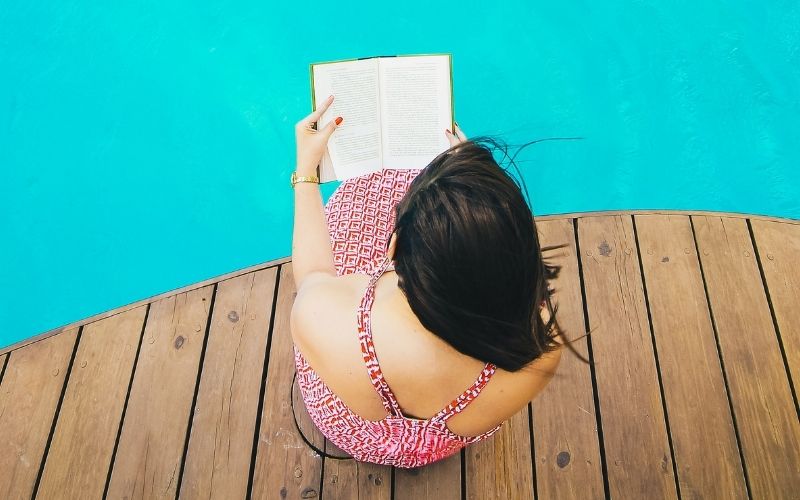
311,143
456,138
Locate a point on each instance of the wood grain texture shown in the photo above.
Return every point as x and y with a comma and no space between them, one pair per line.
344,479
438,481
77,463
757,380
150,450
29,393
500,467
779,250
567,449
285,467
635,435
704,440
224,418
566,456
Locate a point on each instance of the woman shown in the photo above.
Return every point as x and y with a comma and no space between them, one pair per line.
413,286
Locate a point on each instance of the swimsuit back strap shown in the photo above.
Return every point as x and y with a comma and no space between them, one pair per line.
469,395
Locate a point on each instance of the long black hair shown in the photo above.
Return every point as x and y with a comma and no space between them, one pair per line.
468,258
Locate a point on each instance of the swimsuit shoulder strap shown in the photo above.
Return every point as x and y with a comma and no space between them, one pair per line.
368,348
374,370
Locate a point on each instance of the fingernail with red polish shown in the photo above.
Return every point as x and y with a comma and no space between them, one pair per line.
447,130
338,120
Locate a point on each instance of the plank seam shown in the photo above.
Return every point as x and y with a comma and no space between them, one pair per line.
322,466
595,394
463,474
533,451
721,362
55,416
263,388
3,369
196,391
774,319
125,405
391,490
657,362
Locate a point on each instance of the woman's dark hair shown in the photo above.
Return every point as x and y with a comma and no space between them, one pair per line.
468,258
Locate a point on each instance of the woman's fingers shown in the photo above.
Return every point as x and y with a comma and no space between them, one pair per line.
330,127
455,137
459,133
316,114
452,139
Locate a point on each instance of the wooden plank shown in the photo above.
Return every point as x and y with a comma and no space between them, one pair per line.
765,415
438,481
779,250
707,456
77,463
29,393
500,467
567,449
634,431
221,441
351,479
148,458
285,467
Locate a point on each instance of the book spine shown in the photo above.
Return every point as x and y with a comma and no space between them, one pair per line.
313,97
452,96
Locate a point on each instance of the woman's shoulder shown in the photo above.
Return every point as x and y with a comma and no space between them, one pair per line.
322,303
535,376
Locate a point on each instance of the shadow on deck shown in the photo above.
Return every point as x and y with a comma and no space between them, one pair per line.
695,344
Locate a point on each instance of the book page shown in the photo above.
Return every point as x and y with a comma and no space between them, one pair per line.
354,149
416,108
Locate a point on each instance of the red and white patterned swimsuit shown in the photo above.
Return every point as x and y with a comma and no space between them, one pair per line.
360,216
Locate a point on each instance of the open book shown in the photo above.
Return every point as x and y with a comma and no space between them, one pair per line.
395,111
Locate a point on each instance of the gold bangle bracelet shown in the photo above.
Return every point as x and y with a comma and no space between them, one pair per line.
312,178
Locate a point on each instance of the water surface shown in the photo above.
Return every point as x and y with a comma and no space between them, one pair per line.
145,145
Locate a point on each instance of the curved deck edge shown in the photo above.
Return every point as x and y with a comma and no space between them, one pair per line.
126,307
283,260
707,213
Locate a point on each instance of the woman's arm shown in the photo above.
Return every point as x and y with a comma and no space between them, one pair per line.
311,243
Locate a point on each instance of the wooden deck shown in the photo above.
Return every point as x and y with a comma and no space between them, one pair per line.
695,345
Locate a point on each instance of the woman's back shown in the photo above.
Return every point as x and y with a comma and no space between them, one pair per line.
423,372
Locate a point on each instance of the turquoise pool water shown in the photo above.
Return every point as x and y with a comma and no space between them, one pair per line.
148,145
